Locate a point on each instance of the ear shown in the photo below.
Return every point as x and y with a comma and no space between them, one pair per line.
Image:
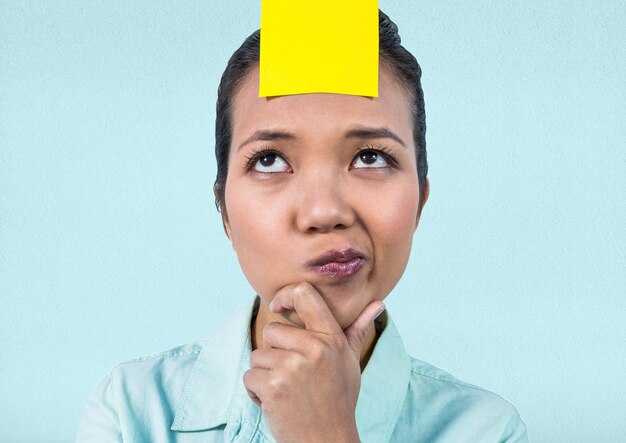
423,202
226,223
218,192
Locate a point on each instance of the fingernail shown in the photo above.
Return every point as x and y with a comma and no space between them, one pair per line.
272,305
380,311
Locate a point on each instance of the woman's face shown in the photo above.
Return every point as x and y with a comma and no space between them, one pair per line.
310,174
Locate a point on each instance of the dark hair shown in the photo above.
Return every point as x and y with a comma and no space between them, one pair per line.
392,55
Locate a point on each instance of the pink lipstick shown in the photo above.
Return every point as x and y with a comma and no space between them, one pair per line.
338,264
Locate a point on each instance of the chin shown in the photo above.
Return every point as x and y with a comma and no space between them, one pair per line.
295,319
346,309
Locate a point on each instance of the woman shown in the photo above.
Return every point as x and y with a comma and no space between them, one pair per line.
320,195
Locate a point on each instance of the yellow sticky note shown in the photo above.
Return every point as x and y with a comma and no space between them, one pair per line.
319,46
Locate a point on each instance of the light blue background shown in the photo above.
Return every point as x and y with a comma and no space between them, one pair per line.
110,246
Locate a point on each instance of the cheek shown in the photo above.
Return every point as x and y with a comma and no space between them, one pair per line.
403,217
255,228
392,225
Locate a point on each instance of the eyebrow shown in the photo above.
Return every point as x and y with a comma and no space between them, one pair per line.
366,133
268,135
358,133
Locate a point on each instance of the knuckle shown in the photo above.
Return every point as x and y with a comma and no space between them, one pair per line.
298,362
318,350
293,364
279,383
302,288
254,358
270,329
247,378
275,389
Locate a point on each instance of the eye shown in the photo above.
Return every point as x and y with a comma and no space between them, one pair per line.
373,158
267,161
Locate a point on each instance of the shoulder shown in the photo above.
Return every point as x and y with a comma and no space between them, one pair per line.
438,379
174,359
456,410
154,377
163,376
158,376
149,386
139,399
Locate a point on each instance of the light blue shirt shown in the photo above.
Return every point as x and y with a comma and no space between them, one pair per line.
195,393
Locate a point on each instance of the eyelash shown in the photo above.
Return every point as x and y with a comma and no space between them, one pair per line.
256,154
382,150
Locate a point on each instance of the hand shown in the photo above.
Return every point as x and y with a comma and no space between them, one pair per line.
307,381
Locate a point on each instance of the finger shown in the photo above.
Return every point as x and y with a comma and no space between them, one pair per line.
304,299
256,381
357,331
253,397
286,337
268,358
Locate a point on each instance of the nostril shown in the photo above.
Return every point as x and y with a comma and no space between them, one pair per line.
327,228
325,218
322,203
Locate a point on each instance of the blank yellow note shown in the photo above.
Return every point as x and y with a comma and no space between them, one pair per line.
319,46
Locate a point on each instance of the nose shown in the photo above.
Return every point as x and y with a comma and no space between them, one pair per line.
322,205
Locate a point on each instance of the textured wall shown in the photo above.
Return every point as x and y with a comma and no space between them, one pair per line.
110,247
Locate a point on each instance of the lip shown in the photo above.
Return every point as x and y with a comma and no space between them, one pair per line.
337,264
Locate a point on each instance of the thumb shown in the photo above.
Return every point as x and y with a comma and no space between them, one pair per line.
357,331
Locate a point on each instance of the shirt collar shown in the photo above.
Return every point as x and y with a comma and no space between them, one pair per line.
384,384
207,399
219,370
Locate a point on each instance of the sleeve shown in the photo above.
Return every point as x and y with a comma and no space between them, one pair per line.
100,422
515,431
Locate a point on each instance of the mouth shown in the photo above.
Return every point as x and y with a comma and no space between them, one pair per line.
337,264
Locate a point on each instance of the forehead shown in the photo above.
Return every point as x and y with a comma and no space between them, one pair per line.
321,114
